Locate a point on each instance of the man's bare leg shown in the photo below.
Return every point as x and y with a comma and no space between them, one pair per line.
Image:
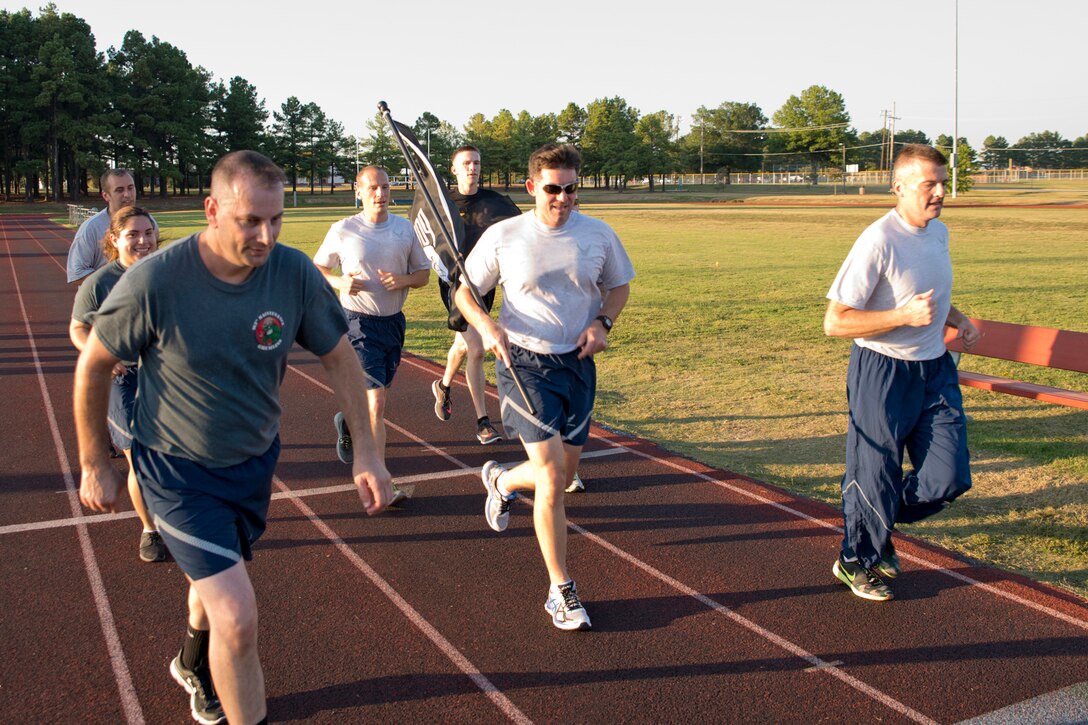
545,475
226,604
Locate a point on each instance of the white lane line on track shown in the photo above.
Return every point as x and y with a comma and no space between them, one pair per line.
814,662
970,581
129,702
48,253
298,493
768,635
501,701
989,588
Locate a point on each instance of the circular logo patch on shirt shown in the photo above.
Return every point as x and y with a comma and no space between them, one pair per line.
268,329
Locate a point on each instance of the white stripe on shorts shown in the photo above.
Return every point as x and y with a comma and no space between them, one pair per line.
529,417
197,543
574,433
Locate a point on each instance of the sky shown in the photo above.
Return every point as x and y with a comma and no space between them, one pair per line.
1021,65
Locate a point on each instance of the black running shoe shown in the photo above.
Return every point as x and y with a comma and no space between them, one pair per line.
203,702
152,548
486,433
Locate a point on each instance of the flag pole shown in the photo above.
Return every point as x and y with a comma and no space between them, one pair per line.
447,237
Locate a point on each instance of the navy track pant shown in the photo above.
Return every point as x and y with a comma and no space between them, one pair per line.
896,405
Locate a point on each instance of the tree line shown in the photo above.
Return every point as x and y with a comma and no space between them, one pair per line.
67,111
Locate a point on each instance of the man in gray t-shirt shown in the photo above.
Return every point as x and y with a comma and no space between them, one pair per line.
893,296
553,264
211,320
86,254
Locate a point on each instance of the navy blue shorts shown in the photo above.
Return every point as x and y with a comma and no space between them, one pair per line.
562,388
122,403
378,342
208,517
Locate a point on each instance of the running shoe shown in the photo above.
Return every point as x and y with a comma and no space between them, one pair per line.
486,433
152,548
863,582
399,495
203,702
566,608
889,562
343,439
443,408
577,485
497,506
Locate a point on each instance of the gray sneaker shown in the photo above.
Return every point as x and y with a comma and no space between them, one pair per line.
343,439
577,485
152,548
497,506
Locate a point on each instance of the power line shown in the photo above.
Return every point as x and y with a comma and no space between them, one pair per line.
825,127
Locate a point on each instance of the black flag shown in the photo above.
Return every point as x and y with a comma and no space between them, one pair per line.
428,228
440,229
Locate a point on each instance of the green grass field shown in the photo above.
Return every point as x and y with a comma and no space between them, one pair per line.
720,355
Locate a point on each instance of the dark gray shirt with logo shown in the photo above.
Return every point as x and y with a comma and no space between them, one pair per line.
212,354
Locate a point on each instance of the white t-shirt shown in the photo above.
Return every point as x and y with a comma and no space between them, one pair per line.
357,245
890,263
551,278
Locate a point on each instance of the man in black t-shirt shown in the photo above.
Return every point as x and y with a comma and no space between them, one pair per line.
480,208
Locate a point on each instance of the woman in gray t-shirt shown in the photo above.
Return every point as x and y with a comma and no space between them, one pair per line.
131,236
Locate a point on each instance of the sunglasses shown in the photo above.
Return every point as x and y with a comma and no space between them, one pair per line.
554,189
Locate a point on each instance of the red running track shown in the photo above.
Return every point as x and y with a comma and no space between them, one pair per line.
711,594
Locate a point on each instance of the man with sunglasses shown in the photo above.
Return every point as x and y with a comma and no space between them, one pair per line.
553,264
480,208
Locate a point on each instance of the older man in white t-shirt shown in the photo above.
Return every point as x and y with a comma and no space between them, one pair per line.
552,264
893,295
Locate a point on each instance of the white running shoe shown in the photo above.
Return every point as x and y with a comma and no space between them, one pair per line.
566,608
577,485
497,506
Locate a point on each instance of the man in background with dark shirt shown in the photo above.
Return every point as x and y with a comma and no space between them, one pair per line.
480,208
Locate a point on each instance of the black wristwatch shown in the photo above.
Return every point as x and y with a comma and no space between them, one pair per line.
606,321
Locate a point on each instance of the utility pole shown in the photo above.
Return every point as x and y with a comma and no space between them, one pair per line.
891,145
700,152
884,140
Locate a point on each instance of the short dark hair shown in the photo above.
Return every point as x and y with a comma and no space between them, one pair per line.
250,163
554,156
104,179
919,152
464,147
117,225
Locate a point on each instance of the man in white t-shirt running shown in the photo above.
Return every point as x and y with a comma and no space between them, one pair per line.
373,259
553,264
893,295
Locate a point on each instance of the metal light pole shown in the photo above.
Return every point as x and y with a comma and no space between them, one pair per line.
355,195
955,98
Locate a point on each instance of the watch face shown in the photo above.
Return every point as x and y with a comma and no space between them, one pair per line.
607,322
